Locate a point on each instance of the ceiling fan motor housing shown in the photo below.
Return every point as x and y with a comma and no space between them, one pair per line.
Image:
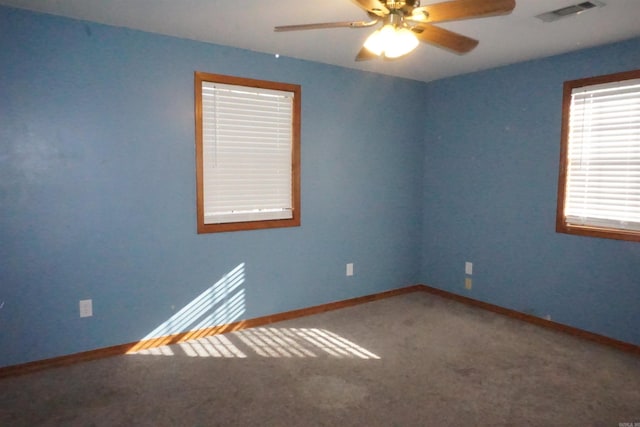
402,9
399,4
394,19
395,5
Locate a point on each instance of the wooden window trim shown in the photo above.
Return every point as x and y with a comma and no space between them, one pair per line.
203,227
561,225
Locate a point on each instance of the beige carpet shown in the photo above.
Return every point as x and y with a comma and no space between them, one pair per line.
411,360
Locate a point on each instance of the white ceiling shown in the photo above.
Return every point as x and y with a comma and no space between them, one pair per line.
248,24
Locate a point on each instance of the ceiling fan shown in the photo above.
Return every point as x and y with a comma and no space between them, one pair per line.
406,23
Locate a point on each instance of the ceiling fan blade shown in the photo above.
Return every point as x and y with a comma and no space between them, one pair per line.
463,9
373,6
444,38
365,55
323,25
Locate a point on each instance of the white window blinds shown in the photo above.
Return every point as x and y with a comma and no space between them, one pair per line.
603,173
247,153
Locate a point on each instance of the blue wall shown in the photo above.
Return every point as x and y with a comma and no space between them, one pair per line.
97,189
492,142
97,192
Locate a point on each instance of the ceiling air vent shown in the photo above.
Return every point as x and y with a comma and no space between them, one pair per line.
574,9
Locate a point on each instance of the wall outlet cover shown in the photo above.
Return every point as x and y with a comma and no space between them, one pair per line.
468,268
350,269
86,308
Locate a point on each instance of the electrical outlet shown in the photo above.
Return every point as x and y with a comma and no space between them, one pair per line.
86,308
468,268
467,282
350,269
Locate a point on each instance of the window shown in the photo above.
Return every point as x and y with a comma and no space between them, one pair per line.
599,182
247,153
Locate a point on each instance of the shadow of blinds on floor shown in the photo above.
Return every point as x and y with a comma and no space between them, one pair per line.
267,342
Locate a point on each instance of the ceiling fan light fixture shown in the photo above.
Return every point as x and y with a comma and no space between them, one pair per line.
406,24
377,41
391,41
405,42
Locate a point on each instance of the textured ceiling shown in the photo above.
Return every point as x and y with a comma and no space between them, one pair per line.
248,24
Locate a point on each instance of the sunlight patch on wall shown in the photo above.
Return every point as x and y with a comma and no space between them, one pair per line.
213,311
196,331
222,303
267,342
